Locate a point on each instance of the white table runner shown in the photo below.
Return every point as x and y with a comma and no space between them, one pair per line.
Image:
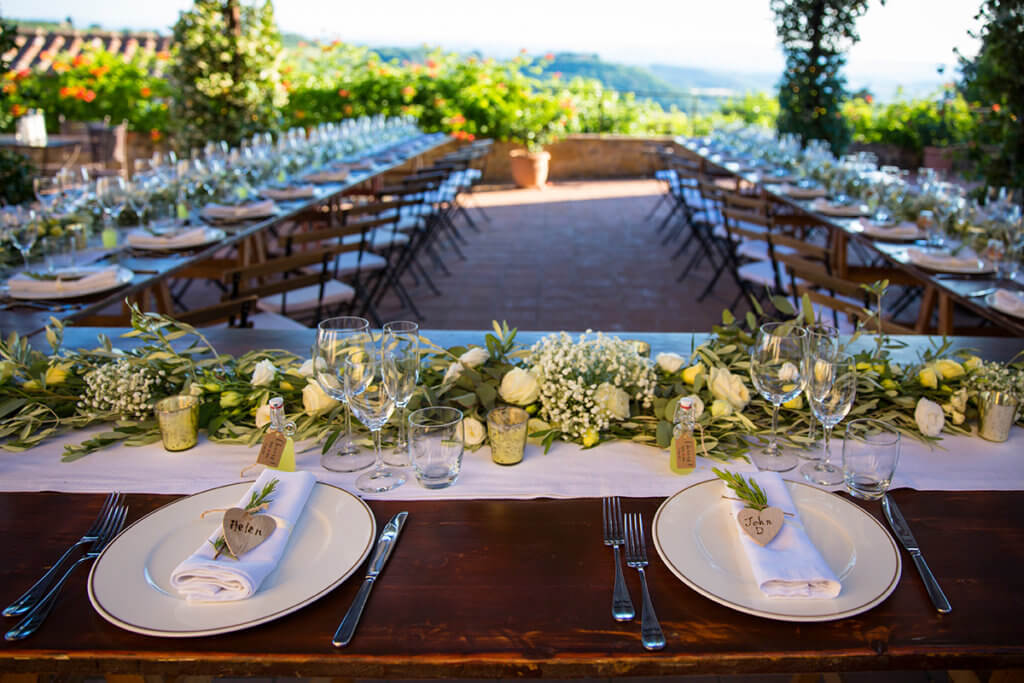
619,468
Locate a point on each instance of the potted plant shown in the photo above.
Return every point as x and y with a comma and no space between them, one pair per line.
540,124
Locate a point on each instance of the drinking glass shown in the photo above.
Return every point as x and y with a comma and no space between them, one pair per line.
871,450
435,445
110,191
370,394
832,388
401,344
776,369
336,338
48,192
24,234
822,341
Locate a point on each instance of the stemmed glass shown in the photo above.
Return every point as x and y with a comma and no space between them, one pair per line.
47,191
336,339
777,370
371,395
24,233
832,387
822,341
401,344
110,191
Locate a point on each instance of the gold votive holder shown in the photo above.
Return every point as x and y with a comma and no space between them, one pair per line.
506,430
643,348
178,417
998,412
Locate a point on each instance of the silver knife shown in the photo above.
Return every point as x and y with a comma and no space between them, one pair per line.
385,544
902,531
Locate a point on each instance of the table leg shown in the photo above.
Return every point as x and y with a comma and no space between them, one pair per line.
924,316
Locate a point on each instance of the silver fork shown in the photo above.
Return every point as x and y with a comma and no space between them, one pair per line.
34,594
636,556
622,606
35,617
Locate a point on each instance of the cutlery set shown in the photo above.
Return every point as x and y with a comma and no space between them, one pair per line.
628,531
38,601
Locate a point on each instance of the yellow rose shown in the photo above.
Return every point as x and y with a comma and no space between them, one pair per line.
263,415
862,366
928,378
878,367
590,438
57,374
949,369
285,386
889,384
230,399
972,362
794,404
315,400
6,370
31,385
690,373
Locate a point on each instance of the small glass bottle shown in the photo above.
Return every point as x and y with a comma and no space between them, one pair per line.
278,423
682,452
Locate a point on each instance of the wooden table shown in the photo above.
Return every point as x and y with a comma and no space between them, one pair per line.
490,589
152,270
941,290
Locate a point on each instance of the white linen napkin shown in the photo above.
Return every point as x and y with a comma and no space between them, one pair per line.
935,260
789,566
285,193
1009,302
339,175
22,285
176,239
251,210
822,205
797,192
201,578
902,231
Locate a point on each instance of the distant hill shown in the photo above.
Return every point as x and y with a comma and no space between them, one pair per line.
621,77
687,77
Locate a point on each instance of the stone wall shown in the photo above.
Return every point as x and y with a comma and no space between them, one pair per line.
583,157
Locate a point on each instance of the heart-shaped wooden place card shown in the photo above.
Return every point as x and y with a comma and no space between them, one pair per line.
761,525
243,532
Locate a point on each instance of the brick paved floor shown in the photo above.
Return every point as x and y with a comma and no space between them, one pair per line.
573,256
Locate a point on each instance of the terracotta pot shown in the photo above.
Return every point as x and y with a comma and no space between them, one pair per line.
529,169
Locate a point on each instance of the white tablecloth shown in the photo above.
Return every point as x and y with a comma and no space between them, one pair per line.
625,469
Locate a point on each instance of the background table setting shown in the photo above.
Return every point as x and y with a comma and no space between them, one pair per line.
537,531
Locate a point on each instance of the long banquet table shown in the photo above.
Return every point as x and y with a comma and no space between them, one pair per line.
518,584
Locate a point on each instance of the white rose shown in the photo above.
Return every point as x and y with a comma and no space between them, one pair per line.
473,432
727,386
263,415
612,400
788,372
263,374
929,417
696,406
306,369
315,401
474,357
670,362
519,387
452,374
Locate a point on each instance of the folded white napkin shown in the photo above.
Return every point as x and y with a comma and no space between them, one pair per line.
797,192
822,205
175,239
789,566
331,176
938,260
266,207
200,578
902,231
96,280
284,193
1009,302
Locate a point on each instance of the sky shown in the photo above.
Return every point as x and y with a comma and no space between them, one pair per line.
903,39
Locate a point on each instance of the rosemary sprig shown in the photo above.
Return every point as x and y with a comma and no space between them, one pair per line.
747,490
257,501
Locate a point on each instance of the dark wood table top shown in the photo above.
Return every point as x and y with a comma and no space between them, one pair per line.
490,589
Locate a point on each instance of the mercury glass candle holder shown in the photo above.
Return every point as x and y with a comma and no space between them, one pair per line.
178,417
506,430
998,411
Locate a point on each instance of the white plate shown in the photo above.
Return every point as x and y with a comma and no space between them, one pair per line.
151,242
129,584
991,300
974,267
697,539
826,208
123,277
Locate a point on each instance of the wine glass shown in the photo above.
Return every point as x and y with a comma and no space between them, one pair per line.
110,191
336,338
48,192
371,395
24,233
822,341
832,386
401,344
776,368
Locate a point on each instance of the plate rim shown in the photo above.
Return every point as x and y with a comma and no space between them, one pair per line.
990,300
215,234
873,602
263,619
124,277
